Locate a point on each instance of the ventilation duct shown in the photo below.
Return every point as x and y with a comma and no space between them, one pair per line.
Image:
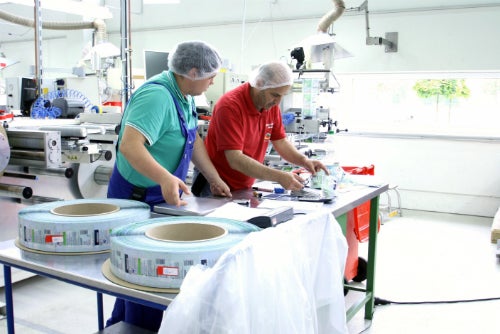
330,17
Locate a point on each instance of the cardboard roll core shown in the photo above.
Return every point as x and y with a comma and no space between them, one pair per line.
186,232
85,209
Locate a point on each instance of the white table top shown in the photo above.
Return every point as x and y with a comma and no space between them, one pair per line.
86,270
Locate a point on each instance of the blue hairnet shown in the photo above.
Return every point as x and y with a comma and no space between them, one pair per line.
195,54
271,75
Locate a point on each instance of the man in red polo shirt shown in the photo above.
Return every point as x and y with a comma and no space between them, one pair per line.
243,123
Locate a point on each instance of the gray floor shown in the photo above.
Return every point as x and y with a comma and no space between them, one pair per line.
422,257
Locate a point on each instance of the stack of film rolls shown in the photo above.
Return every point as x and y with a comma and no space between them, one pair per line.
157,253
76,226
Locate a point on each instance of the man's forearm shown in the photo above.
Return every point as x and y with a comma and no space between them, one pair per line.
251,167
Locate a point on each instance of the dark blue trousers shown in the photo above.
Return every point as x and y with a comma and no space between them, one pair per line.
136,314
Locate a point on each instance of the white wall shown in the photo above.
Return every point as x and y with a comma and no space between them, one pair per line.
428,41
459,176
62,51
443,175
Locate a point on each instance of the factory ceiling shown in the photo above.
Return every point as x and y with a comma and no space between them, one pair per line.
213,12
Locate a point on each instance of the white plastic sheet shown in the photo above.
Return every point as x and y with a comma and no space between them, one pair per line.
287,279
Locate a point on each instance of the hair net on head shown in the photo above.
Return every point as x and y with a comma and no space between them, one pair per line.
271,75
194,54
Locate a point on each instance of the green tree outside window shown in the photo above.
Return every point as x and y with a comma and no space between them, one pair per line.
449,89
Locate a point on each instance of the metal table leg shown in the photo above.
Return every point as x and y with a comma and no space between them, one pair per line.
372,250
9,304
368,300
100,317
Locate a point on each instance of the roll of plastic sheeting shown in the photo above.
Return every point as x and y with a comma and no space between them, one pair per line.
82,225
159,252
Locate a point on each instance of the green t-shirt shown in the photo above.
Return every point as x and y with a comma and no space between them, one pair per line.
151,111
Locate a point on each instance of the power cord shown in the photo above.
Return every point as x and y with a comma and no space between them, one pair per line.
380,301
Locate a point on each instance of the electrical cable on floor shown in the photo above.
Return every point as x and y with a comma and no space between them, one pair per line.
380,301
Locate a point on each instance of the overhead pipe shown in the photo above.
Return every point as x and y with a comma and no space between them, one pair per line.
390,41
326,21
322,37
49,25
98,25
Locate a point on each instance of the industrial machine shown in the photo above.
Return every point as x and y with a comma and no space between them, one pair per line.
302,110
223,82
78,155
51,160
20,92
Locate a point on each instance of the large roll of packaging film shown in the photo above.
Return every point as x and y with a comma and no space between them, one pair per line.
159,252
82,225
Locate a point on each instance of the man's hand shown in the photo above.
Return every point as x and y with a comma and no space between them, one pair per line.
291,181
220,188
314,166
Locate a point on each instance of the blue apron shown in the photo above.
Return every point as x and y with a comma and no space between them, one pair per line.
119,187
124,310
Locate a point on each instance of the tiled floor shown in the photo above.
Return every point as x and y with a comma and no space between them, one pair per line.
422,257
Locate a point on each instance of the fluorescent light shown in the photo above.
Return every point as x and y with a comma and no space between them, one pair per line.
69,7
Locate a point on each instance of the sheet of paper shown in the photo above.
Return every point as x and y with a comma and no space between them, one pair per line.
236,211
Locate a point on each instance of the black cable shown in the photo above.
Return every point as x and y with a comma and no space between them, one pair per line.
380,301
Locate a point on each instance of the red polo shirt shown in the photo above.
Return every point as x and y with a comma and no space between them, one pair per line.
236,124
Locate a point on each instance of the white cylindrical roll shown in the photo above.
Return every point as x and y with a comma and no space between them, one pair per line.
82,225
159,252
87,183
4,150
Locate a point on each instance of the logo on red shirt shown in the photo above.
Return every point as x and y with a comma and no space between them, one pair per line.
269,127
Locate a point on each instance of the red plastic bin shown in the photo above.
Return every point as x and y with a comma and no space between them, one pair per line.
366,170
362,212
358,230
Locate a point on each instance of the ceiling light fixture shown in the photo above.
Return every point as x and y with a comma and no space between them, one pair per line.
85,9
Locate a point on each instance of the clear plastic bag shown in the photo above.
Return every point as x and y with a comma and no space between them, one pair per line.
287,279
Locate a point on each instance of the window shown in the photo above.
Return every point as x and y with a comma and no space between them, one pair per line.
389,103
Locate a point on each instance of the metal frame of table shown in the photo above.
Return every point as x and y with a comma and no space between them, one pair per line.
87,271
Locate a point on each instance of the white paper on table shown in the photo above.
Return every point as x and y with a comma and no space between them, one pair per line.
237,211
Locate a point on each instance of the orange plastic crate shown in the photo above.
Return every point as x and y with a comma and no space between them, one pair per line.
362,221
366,170
362,212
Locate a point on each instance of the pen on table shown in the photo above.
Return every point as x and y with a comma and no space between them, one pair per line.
263,189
